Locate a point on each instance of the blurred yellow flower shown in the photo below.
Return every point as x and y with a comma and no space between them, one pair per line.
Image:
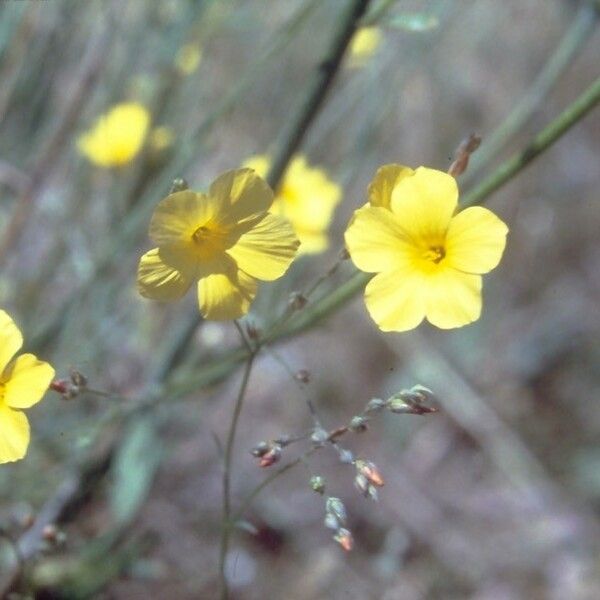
429,258
117,136
225,240
23,382
364,44
188,58
161,137
307,197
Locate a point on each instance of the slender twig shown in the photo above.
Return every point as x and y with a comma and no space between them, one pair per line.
227,463
567,50
319,86
540,143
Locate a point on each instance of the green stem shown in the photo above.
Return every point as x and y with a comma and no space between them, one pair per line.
317,91
540,143
227,460
569,47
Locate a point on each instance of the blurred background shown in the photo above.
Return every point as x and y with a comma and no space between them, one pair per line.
496,497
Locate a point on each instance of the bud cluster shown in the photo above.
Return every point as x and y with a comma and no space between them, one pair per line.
414,401
270,452
368,478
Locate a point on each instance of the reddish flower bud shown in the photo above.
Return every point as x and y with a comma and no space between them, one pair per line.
60,385
344,538
370,472
271,456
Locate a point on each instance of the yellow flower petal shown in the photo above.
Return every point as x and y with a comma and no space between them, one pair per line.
261,164
227,294
11,340
453,299
117,136
312,242
166,273
177,217
386,177
394,300
365,42
376,241
26,381
241,195
424,203
14,434
475,240
267,250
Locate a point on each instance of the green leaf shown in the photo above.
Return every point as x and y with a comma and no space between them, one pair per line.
415,22
136,463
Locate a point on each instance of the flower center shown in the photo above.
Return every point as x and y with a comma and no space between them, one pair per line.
209,240
434,254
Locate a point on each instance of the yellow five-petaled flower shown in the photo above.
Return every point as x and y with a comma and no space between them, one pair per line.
307,197
428,257
117,136
225,240
23,382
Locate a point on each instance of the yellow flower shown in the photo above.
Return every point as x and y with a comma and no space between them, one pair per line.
429,258
188,58
23,382
307,197
161,138
225,240
117,136
364,44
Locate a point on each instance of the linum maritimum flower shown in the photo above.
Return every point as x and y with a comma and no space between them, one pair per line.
364,44
225,240
23,382
429,257
117,136
307,197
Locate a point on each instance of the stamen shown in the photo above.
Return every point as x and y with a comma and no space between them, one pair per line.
435,254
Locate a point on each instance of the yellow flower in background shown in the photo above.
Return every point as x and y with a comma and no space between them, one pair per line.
225,240
429,257
161,138
117,136
23,382
188,58
307,197
364,44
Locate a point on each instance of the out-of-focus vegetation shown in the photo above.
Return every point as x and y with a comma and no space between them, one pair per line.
494,498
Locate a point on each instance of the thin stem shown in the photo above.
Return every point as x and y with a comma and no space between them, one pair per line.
319,86
570,45
540,143
227,464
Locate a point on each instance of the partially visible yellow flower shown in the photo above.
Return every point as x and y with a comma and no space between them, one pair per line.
225,240
364,44
307,197
429,257
23,382
161,137
188,58
117,136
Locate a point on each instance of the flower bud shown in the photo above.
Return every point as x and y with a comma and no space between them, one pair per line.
271,456
179,185
346,457
297,301
411,401
331,522
260,449
317,484
374,405
319,436
344,538
358,424
303,376
78,379
370,471
336,507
